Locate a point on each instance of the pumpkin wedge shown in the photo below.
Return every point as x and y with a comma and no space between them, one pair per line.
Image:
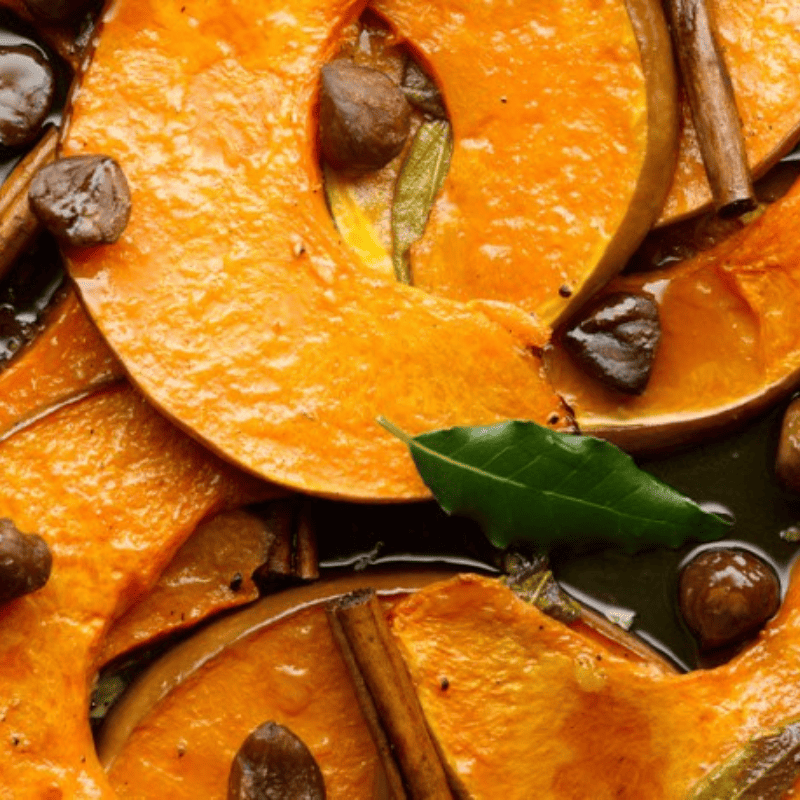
529,707
767,93
211,572
274,660
230,298
534,710
564,123
67,359
114,490
730,340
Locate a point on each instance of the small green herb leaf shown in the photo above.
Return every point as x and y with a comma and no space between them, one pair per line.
521,481
418,184
534,583
764,769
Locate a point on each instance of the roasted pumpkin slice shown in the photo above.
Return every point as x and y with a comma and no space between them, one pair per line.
178,728
211,572
114,489
533,709
730,340
767,90
275,660
66,360
564,125
231,300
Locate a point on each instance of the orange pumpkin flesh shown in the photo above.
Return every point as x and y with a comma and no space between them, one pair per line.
529,708
100,277
730,340
553,180
761,46
198,582
230,299
276,660
562,718
113,489
66,360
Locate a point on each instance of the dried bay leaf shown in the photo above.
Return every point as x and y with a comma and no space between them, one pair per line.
523,482
764,769
420,179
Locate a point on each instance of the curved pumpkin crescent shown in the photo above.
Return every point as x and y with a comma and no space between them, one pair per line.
618,726
275,660
730,341
231,300
114,490
553,184
48,374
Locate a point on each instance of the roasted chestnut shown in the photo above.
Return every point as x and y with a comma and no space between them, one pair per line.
726,595
364,117
27,88
25,562
82,200
616,340
274,764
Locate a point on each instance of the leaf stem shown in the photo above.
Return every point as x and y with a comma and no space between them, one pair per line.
394,430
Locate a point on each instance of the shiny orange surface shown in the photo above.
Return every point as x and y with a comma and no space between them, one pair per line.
760,40
68,358
730,339
197,582
290,672
230,298
533,709
529,707
114,490
549,111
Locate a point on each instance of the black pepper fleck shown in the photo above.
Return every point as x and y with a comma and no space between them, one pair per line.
236,582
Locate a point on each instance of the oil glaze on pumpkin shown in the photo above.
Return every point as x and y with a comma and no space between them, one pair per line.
564,124
521,705
114,490
67,359
730,340
231,300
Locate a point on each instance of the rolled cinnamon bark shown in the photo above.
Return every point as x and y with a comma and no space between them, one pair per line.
713,104
388,699
18,224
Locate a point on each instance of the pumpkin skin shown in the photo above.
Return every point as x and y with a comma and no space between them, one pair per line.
730,340
278,351
114,490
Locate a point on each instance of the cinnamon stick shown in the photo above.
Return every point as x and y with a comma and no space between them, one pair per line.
18,225
306,554
713,106
388,699
279,518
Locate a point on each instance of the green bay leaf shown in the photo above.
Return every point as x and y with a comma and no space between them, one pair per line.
523,482
418,183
